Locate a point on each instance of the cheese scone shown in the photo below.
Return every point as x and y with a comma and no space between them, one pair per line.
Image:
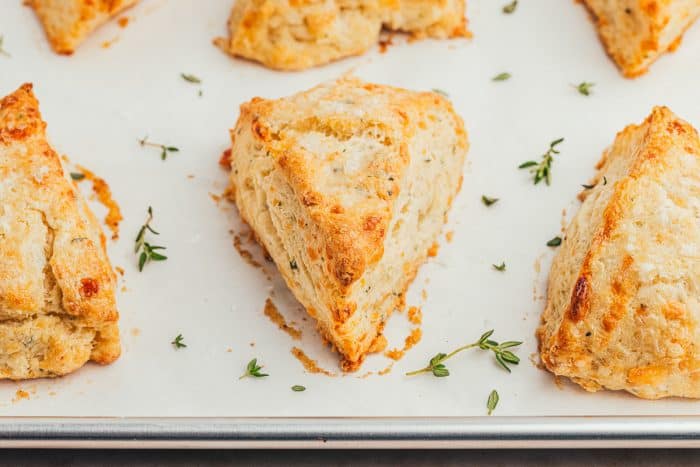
299,34
637,32
347,186
57,297
623,304
68,22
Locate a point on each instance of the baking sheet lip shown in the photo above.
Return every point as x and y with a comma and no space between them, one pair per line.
349,432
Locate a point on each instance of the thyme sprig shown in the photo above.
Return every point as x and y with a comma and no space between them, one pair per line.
179,342
164,149
543,170
253,370
147,251
584,88
504,357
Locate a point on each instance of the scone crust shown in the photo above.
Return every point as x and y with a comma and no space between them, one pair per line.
636,32
68,22
623,304
344,220
57,287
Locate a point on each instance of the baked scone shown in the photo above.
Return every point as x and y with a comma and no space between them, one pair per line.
57,298
68,22
347,186
623,305
299,34
637,32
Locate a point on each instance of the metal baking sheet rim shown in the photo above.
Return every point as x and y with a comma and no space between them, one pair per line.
337,433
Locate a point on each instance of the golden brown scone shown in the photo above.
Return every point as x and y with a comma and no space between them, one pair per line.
299,34
623,301
57,299
68,22
637,32
347,186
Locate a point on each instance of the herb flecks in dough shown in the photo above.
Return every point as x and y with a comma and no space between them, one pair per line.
504,357
147,251
543,170
164,149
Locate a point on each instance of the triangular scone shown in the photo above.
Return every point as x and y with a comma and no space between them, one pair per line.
293,35
57,298
68,22
623,305
347,187
637,32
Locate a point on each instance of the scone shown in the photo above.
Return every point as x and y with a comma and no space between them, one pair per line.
623,305
57,298
68,22
637,32
347,187
299,34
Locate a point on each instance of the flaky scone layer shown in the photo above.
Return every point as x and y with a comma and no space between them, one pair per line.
636,32
68,22
57,297
623,301
347,187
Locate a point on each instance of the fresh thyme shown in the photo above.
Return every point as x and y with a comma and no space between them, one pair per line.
148,252
441,92
253,370
556,241
504,357
543,170
488,201
77,176
501,77
179,342
588,187
492,401
164,149
191,78
584,88
2,49
500,267
293,265
510,7
298,388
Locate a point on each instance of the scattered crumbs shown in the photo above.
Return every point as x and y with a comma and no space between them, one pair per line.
108,44
559,382
52,393
123,21
276,317
386,370
20,394
411,340
424,294
309,365
535,360
104,196
245,254
415,315
385,41
216,198
190,176
563,220
229,350
225,159
65,159
135,332
449,236
124,289
252,344
433,250
120,270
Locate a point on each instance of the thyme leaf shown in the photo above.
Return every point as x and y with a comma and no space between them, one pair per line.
492,401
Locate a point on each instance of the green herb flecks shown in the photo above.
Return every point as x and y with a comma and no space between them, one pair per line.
492,401
164,149
510,7
488,201
77,176
504,357
253,370
179,342
501,77
441,92
556,241
145,250
298,388
191,78
584,88
543,170
499,267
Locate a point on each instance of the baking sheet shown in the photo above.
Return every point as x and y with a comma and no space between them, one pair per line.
124,83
